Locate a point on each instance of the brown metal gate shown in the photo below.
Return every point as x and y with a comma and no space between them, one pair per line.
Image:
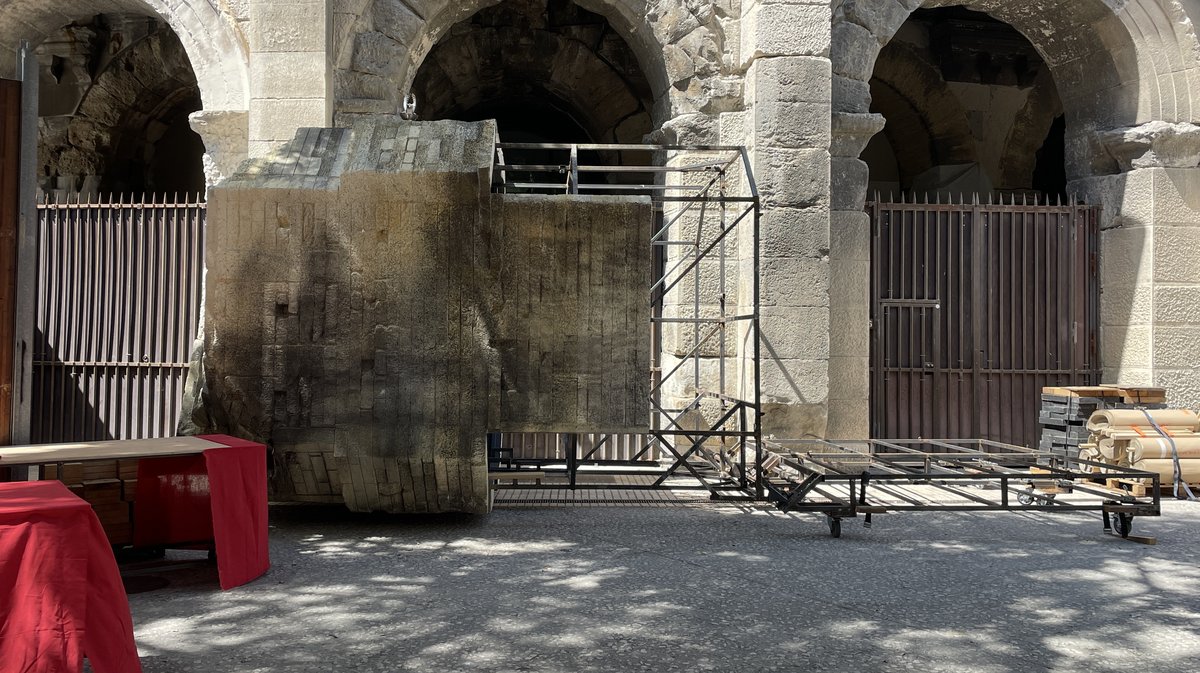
118,300
976,307
10,186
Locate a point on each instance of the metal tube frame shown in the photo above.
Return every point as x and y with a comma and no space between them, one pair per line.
947,465
698,183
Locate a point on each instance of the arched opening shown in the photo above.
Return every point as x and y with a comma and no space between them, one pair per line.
980,267
546,70
115,94
969,105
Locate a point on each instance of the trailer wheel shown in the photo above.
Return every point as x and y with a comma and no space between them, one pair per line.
1123,523
835,526
1025,498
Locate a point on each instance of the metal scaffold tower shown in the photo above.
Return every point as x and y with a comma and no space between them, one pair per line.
705,387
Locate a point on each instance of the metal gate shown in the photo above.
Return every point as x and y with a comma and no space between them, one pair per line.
10,168
975,307
118,300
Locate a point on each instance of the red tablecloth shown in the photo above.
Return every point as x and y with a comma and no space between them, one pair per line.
61,596
220,495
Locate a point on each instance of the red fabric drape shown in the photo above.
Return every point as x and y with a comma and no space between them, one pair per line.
220,496
238,478
173,502
61,596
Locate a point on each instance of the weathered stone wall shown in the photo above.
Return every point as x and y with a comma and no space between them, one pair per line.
568,284
373,311
1150,259
789,79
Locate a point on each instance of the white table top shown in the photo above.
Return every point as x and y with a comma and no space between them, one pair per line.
36,454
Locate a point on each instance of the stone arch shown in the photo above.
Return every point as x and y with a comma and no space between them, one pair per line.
681,48
213,43
549,71
926,124
116,96
1114,65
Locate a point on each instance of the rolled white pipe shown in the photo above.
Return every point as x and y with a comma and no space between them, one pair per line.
1166,469
1127,418
1158,448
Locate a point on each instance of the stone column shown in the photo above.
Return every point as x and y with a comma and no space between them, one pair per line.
1150,258
225,134
785,50
850,266
291,77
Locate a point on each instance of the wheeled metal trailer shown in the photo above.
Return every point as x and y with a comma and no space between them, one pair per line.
842,480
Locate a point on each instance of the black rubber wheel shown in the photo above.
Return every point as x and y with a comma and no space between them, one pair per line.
1122,523
1025,499
835,526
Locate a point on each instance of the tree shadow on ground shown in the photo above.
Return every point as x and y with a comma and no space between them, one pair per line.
702,587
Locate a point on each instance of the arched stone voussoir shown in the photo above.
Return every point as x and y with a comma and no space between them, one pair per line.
214,44
642,24
1090,45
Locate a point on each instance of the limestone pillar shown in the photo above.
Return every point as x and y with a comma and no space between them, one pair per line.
225,134
785,50
850,265
291,77
1150,259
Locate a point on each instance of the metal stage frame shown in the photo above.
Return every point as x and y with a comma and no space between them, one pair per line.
844,479
711,436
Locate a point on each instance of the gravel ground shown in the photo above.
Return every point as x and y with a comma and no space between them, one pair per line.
703,587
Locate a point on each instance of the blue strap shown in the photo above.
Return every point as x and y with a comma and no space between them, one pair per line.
1174,457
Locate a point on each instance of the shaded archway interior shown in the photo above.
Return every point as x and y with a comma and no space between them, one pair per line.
971,107
547,70
116,91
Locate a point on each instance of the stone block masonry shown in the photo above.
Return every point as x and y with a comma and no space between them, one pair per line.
372,320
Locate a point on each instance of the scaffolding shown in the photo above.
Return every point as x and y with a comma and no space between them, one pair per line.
704,399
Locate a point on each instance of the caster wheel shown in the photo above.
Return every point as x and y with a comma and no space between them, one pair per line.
1122,523
835,526
1025,498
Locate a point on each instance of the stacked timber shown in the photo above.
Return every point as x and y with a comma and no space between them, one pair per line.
108,486
1065,411
1148,440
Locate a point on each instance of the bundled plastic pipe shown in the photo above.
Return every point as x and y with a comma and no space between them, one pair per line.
1183,420
1165,467
1159,448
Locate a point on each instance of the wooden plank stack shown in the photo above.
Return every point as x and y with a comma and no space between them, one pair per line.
1065,411
109,486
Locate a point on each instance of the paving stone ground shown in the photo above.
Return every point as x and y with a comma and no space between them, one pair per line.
702,587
